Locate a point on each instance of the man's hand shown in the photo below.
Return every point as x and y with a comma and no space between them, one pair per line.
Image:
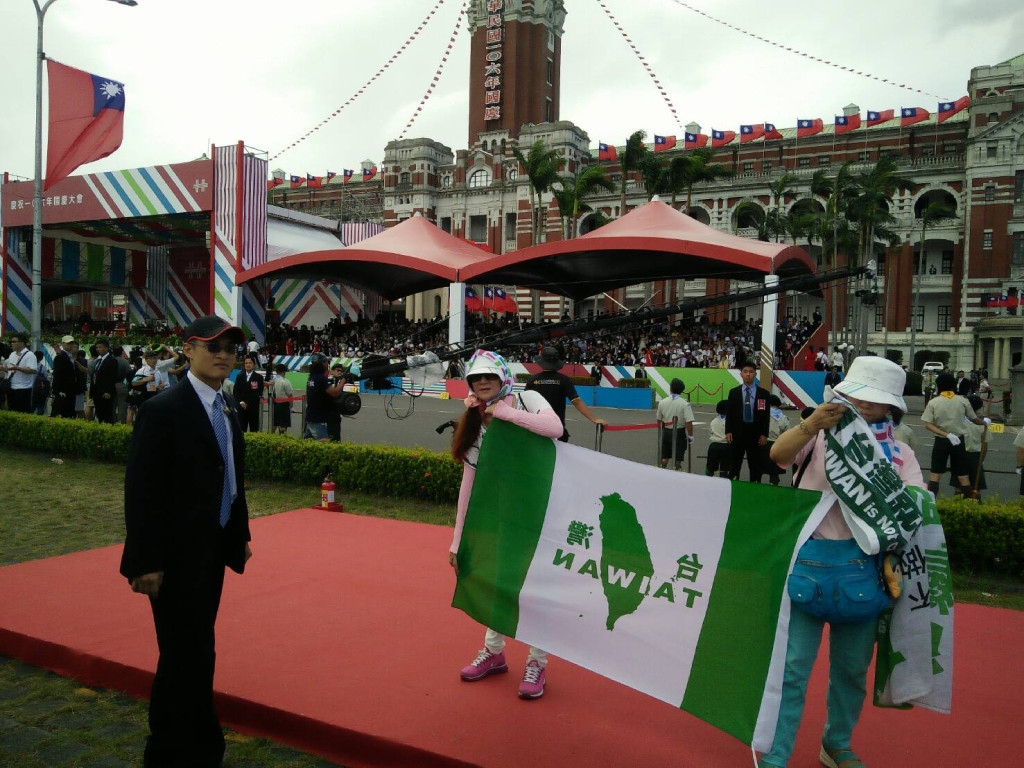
954,439
248,553
601,422
106,395
242,404
453,561
148,583
728,437
762,440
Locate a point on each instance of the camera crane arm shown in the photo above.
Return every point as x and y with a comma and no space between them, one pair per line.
625,319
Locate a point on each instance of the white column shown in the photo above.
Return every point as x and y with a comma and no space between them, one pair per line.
456,314
769,321
997,358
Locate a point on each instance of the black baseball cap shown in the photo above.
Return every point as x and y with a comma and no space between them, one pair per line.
212,327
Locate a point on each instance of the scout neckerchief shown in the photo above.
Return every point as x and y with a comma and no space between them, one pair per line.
872,497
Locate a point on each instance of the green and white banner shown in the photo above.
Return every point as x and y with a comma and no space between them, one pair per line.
673,584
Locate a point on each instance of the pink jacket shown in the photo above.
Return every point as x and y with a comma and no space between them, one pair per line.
545,422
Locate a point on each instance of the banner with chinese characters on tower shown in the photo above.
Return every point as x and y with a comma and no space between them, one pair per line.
494,42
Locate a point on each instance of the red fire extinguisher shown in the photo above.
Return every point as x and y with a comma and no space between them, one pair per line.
327,493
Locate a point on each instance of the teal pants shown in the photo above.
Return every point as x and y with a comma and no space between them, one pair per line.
850,650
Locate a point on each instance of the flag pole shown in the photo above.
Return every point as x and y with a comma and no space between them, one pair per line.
37,195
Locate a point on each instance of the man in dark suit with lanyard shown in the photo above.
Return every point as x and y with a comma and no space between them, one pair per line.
746,423
65,379
248,392
104,383
176,548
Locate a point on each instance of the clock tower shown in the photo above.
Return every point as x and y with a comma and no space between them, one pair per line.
515,64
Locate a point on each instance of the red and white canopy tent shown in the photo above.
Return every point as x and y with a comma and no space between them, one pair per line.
651,242
654,241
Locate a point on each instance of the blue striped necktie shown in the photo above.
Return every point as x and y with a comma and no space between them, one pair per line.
220,430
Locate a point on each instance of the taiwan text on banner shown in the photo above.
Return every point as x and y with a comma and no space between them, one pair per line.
670,583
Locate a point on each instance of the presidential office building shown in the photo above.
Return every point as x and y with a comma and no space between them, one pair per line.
973,162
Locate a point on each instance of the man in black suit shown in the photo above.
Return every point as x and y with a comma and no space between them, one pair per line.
176,548
248,391
65,379
104,383
963,385
746,423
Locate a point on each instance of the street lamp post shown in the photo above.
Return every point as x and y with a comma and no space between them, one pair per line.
37,197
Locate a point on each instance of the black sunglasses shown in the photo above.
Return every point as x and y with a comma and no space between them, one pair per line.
215,349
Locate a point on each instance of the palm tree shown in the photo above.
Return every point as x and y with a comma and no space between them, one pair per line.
655,174
837,192
633,158
753,212
868,208
693,168
779,189
571,194
541,166
933,212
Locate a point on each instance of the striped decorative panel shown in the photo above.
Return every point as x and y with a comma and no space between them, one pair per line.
159,266
254,212
142,306
354,232
181,308
141,192
17,283
225,230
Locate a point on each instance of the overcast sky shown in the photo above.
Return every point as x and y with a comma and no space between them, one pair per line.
202,71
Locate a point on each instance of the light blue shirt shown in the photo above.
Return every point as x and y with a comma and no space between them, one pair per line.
207,395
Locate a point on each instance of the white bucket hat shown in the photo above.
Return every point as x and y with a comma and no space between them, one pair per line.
876,380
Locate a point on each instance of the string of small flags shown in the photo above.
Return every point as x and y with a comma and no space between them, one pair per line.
394,57
437,72
797,52
643,61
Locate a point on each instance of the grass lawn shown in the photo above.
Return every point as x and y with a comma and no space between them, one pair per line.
48,509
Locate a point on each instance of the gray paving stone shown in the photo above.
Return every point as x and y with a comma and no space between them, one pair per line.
119,729
38,708
62,752
107,762
70,721
21,740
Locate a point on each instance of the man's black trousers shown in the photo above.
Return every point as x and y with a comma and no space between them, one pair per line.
183,725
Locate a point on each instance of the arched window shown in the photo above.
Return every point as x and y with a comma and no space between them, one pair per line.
480,178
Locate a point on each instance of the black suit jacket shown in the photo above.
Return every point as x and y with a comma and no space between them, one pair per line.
173,442
104,377
734,416
244,393
963,387
65,377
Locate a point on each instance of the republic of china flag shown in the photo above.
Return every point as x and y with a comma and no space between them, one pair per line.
670,583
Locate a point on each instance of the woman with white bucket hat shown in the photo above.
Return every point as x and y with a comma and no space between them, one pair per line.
874,387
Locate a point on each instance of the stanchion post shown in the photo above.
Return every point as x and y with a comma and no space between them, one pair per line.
600,437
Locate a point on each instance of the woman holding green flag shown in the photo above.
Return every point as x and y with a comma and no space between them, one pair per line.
490,383
832,567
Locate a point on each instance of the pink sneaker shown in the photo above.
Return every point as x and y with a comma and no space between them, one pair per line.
485,663
532,686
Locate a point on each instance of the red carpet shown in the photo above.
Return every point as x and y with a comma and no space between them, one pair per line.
341,640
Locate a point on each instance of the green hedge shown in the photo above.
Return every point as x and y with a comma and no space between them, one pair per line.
378,469
986,537
634,383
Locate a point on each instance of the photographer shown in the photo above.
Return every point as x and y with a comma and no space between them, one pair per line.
338,379
320,396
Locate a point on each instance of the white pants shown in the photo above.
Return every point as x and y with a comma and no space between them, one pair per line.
495,643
